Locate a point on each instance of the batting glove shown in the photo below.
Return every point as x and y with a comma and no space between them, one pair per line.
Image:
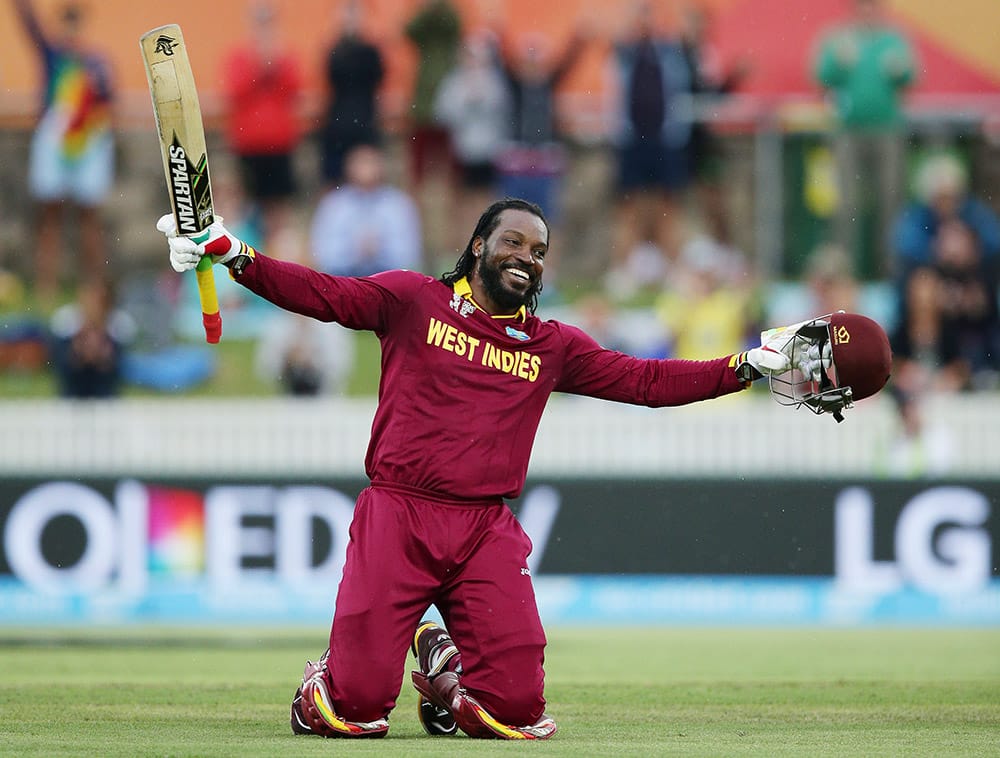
815,361
777,348
215,241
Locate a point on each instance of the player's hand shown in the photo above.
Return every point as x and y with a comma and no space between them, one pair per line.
767,361
778,348
215,240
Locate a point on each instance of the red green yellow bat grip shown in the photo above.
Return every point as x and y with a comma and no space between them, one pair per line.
210,316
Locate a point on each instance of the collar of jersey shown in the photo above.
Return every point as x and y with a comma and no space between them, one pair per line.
464,290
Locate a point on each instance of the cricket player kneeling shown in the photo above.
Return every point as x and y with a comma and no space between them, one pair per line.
467,369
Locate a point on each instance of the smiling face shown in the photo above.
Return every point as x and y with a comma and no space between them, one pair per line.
510,262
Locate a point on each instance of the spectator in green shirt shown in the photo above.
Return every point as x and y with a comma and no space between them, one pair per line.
866,66
435,31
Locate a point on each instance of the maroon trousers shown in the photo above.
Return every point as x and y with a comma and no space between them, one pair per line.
407,552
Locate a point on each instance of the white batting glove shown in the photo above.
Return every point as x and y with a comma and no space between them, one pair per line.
768,361
215,240
774,356
804,353
813,363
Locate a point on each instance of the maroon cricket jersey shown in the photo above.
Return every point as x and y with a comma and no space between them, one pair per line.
462,392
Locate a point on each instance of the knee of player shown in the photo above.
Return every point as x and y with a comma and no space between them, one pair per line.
363,708
515,705
507,718
373,700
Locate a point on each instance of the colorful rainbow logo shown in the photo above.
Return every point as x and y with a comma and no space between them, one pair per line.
176,532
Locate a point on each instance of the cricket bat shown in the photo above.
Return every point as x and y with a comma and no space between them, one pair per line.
182,145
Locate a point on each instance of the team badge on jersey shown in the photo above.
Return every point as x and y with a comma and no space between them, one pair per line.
517,334
463,307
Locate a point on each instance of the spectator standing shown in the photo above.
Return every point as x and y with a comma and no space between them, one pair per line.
474,104
866,65
654,150
710,82
436,32
534,161
71,159
263,83
354,72
366,225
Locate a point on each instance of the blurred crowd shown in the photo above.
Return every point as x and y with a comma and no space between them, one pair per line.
483,123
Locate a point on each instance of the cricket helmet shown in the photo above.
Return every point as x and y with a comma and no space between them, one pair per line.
837,359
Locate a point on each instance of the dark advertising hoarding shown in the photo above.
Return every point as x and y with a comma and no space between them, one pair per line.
158,545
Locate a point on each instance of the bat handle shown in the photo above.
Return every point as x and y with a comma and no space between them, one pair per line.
210,316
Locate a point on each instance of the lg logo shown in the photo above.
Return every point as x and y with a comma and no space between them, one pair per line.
940,542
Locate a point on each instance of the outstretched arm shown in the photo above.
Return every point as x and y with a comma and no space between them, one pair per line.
355,302
577,43
592,370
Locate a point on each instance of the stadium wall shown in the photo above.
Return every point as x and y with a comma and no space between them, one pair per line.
730,512
742,436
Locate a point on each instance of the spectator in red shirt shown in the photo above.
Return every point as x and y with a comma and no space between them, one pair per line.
263,82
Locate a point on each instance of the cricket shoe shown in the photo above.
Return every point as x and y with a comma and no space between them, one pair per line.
446,692
484,725
313,713
299,725
433,648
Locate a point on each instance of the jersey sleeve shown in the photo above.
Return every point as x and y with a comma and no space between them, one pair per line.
370,302
591,370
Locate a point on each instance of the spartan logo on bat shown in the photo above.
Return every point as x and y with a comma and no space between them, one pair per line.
165,45
190,189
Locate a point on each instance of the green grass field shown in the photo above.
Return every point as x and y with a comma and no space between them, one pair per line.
635,692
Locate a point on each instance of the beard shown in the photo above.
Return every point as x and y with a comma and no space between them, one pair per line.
505,297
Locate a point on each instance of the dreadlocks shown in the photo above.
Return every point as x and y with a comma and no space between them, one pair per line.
484,228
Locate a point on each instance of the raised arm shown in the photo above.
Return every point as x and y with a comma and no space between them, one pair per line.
29,19
355,302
